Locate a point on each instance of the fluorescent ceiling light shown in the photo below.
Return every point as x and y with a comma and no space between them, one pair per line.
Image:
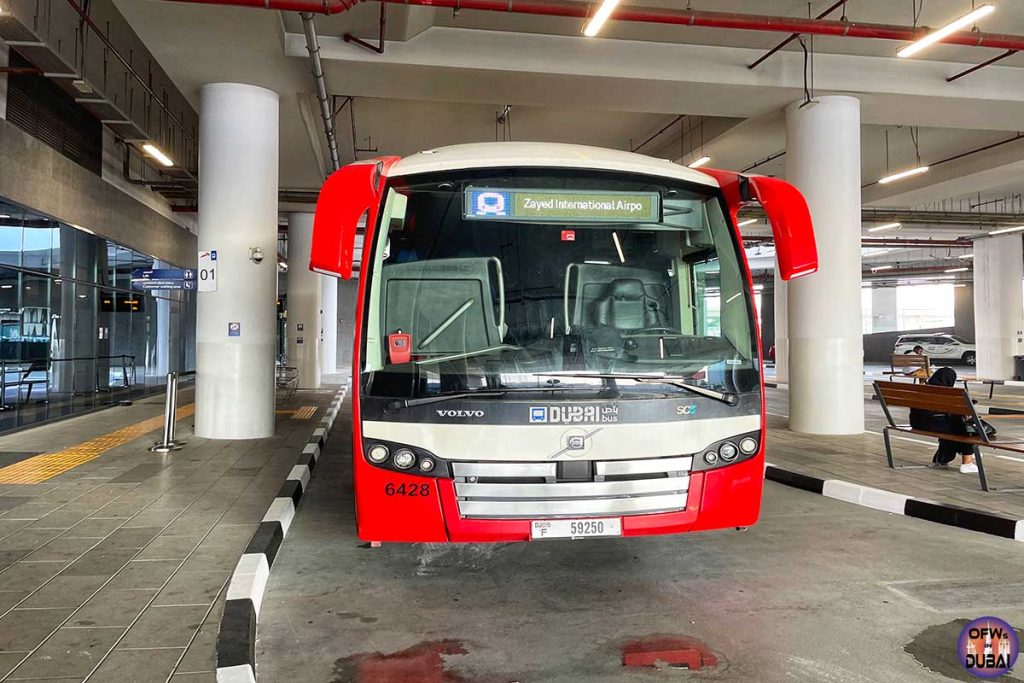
700,162
959,285
618,246
878,268
1003,231
593,26
4,215
957,270
153,151
946,31
903,174
758,288
966,256
887,226
749,221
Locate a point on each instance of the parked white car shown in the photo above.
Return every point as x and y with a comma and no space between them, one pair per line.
946,347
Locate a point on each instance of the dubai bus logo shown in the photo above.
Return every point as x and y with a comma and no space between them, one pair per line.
988,647
491,204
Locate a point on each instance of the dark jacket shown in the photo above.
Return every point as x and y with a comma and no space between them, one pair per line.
942,422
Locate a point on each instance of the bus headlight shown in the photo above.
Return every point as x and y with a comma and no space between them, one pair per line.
378,453
728,451
748,445
711,457
404,459
426,464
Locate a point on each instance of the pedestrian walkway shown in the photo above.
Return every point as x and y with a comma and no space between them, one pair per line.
860,459
113,563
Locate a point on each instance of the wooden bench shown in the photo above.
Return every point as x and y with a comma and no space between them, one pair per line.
949,400
911,366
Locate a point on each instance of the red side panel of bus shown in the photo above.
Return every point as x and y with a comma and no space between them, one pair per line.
352,192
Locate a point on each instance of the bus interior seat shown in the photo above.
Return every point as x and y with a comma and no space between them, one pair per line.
625,306
587,284
449,306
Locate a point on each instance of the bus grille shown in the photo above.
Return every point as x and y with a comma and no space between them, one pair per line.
531,490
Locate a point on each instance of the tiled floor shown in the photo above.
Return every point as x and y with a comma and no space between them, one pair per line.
861,459
114,570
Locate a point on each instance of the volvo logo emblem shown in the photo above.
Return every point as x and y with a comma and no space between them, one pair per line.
576,442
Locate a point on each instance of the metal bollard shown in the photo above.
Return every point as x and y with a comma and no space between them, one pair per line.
167,443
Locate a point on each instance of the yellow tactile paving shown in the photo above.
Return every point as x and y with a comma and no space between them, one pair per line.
42,467
304,413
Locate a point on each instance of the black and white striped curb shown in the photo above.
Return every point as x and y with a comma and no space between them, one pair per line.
236,641
899,504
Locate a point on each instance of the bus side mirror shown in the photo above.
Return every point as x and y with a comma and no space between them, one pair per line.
795,249
349,194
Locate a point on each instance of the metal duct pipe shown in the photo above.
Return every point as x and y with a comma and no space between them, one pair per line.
651,15
313,47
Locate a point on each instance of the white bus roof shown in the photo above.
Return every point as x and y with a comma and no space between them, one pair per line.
543,154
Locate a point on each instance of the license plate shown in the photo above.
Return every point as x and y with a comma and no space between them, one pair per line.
575,528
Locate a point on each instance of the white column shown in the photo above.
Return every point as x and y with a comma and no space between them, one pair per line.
826,348
883,309
304,292
236,329
329,326
781,330
998,304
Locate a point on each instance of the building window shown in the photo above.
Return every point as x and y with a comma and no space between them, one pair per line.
924,307
74,335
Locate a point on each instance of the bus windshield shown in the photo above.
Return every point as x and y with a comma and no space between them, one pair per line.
529,278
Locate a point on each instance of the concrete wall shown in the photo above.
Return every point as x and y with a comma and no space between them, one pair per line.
37,176
3,80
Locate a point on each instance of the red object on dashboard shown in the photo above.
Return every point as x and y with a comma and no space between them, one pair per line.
399,347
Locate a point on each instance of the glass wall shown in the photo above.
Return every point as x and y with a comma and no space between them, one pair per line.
74,335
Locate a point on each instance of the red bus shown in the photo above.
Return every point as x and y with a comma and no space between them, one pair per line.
552,341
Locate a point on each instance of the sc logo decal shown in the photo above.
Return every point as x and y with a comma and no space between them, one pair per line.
687,410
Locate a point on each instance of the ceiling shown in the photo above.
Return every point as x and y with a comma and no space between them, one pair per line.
444,76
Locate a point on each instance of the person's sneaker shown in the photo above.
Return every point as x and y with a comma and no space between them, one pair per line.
938,465
969,469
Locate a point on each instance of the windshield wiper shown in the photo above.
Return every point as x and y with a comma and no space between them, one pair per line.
398,404
729,398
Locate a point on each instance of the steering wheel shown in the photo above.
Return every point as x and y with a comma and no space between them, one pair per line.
669,331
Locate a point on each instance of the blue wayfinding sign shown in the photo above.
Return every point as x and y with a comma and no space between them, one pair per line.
163,274
147,279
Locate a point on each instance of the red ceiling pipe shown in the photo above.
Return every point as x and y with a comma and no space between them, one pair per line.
728,20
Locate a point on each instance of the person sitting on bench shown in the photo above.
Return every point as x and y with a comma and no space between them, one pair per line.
949,424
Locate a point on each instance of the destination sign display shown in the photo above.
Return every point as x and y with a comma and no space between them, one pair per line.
561,206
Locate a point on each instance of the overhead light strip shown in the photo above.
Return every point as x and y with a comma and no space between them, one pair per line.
1004,231
155,152
946,31
602,14
887,226
903,174
697,163
749,221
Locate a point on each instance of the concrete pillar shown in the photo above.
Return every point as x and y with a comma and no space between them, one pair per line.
235,327
826,348
781,330
4,56
766,318
998,304
883,310
963,311
329,327
304,296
